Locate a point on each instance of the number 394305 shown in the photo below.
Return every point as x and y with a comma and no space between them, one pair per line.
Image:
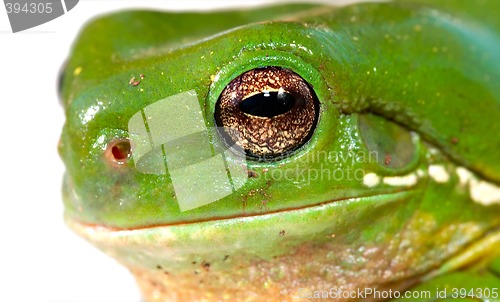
29,8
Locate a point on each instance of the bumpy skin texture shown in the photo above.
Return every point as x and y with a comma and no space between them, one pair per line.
417,79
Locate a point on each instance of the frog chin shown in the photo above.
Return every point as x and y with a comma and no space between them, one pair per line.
336,243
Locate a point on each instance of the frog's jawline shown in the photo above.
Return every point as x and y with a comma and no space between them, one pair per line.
390,195
255,240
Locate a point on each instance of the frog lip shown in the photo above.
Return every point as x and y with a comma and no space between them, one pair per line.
81,224
249,235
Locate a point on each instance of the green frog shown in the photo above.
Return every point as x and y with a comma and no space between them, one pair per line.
290,152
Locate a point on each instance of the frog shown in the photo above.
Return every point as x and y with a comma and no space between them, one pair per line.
289,152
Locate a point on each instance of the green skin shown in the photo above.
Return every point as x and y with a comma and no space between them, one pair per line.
409,81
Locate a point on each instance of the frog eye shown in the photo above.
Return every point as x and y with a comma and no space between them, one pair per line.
118,151
267,111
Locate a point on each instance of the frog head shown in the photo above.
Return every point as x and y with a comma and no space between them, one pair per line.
276,149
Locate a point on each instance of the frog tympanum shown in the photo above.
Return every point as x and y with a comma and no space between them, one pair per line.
289,152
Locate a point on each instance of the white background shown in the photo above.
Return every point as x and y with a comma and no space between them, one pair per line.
40,258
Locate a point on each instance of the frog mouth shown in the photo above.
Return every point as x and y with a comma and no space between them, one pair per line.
286,240
383,198
289,238
300,224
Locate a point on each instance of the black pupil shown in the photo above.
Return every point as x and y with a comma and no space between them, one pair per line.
268,104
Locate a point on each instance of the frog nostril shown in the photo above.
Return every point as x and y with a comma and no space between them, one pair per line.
119,151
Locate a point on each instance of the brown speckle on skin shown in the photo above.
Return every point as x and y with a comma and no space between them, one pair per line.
134,82
388,159
252,174
264,205
282,233
454,140
206,266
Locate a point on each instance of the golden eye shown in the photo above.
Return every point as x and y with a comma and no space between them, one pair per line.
267,111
